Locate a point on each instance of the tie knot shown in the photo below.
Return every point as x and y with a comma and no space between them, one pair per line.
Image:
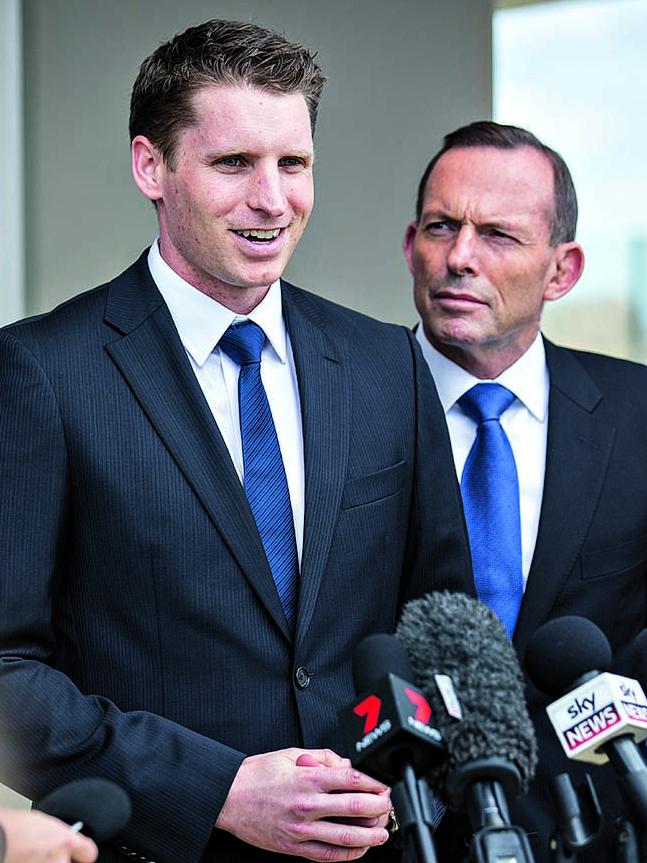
243,343
486,402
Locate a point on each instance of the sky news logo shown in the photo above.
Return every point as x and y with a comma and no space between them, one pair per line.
588,729
636,712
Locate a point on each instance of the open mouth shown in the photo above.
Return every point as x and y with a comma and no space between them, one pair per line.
256,235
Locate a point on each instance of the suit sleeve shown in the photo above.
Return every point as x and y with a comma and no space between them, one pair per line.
438,555
50,731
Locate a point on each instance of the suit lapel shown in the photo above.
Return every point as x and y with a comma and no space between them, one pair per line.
578,449
153,363
324,392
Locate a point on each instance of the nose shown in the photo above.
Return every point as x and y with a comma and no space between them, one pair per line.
266,191
462,258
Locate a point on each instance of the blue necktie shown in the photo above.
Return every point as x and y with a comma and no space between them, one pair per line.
490,489
264,478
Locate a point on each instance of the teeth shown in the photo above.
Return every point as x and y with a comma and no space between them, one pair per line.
261,235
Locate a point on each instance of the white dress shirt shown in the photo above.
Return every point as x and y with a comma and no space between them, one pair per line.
525,423
201,322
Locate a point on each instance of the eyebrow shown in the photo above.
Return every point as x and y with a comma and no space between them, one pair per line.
443,216
211,155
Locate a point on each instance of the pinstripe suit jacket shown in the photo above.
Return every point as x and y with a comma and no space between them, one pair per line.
141,637
590,557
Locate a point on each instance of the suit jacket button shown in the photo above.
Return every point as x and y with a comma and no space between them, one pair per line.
302,677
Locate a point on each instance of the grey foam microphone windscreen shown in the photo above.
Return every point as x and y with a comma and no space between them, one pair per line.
452,634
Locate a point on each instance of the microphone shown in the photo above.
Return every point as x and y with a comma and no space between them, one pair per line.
389,737
97,807
632,660
639,657
388,726
579,817
467,668
602,715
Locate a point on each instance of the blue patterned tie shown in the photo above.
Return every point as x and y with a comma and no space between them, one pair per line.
490,488
264,479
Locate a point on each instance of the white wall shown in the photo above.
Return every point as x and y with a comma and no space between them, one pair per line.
400,76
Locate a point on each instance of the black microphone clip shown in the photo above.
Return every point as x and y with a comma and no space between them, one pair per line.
481,787
579,817
627,843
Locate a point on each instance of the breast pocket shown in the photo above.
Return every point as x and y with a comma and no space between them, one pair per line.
372,487
614,560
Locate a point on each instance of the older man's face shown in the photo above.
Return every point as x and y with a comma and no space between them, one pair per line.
480,255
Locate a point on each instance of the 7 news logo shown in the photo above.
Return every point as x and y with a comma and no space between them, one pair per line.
370,708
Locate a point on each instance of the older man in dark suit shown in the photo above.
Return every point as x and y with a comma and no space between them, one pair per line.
548,442
214,484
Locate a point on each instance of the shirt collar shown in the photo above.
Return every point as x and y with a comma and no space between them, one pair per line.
201,322
527,378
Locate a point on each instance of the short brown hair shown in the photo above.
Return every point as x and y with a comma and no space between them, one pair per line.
487,133
216,52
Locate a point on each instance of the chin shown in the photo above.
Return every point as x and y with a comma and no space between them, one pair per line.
260,278
457,337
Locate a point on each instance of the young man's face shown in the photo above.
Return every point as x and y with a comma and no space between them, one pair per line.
234,206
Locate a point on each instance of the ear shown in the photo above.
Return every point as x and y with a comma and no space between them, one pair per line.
407,244
568,267
147,166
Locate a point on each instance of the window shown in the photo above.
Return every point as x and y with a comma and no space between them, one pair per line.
574,73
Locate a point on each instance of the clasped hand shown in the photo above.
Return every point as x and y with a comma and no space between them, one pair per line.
307,803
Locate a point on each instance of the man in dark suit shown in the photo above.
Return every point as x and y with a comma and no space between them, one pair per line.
493,239
214,484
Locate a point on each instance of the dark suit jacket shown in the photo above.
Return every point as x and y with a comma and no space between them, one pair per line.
591,553
141,636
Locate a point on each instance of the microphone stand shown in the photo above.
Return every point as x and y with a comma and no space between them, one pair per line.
496,839
482,786
410,798
630,767
626,843
579,817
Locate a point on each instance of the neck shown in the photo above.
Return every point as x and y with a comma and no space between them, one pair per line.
240,299
484,364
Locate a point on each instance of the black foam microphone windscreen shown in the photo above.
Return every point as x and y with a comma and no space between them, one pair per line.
564,649
102,806
377,655
453,636
631,660
639,658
